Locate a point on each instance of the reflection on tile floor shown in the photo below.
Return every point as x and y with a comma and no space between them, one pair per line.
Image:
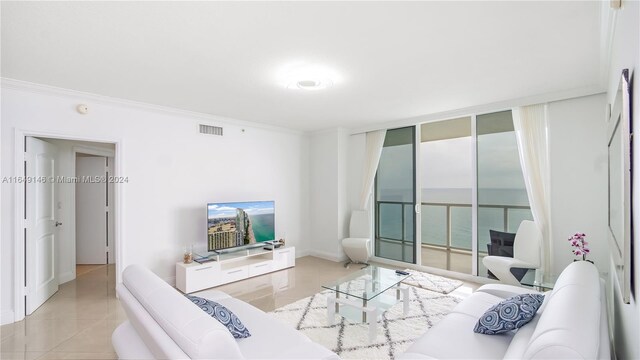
77,322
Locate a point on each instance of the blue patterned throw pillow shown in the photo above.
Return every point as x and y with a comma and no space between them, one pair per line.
223,315
509,314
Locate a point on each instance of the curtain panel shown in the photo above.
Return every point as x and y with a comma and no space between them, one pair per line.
374,143
531,127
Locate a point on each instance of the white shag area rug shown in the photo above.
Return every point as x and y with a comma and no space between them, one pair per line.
350,340
431,282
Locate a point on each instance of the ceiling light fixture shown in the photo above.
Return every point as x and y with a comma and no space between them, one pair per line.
305,76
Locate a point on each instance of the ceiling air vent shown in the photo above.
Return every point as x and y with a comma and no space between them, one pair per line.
211,130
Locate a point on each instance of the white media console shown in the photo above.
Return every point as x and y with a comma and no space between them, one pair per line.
232,267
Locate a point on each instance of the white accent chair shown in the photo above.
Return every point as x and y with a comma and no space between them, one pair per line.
526,254
357,245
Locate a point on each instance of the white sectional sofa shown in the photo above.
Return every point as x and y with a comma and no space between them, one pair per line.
163,324
570,324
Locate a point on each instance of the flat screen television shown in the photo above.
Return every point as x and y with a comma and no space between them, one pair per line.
239,223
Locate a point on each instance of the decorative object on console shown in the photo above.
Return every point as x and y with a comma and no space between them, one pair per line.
188,254
509,314
580,245
223,315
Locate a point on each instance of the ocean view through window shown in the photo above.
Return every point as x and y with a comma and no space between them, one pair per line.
456,157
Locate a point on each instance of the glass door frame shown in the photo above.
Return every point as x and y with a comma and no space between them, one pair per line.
474,193
416,217
474,196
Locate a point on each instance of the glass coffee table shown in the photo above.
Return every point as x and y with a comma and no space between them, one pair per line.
365,295
529,279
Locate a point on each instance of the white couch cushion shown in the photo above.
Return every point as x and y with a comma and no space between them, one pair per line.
520,340
569,325
196,333
476,304
505,291
155,339
128,344
453,338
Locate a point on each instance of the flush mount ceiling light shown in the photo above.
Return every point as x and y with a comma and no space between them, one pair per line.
308,77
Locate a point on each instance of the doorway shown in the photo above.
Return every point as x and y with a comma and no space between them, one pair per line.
94,220
52,217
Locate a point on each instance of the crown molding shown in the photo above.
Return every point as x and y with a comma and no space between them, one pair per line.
608,19
26,86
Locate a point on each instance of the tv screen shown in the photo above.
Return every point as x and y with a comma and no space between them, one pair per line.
239,223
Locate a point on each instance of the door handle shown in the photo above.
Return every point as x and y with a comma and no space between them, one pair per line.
58,223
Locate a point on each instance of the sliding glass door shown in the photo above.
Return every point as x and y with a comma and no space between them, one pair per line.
471,188
395,197
502,195
446,178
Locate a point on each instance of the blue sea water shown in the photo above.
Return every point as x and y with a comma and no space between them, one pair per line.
434,215
263,227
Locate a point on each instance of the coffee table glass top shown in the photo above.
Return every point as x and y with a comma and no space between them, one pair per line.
367,283
529,279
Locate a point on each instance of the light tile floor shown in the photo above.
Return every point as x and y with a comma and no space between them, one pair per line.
77,322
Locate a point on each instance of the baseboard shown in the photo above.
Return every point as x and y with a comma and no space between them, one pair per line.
328,256
7,317
302,253
66,277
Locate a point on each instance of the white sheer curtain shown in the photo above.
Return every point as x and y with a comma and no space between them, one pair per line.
531,127
374,143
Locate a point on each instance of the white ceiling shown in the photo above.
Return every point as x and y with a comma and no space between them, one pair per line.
396,59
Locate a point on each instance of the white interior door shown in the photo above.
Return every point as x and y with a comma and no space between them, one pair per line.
41,223
91,211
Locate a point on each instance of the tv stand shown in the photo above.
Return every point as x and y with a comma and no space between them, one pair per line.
231,266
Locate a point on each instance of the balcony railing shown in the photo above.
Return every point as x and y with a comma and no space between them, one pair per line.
392,235
396,228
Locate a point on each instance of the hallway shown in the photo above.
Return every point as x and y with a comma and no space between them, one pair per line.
75,323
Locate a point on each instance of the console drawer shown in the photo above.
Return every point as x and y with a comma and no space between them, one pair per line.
234,274
200,277
260,268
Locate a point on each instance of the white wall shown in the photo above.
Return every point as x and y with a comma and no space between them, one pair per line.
344,210
328,207
625,53
173,172
357,157
579,178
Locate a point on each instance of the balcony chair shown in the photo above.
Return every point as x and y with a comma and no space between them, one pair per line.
526,254
357,245
502,245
